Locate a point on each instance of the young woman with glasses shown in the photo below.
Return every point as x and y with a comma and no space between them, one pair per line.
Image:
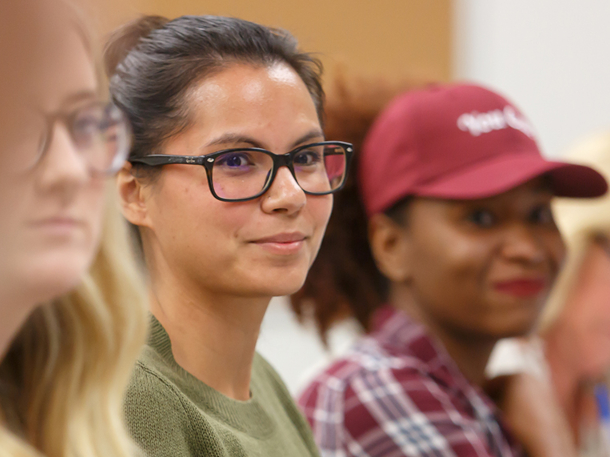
444,244
72,314
229,184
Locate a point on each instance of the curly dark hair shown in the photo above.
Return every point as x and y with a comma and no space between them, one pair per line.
344,280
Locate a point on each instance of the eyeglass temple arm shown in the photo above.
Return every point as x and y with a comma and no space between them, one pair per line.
165,159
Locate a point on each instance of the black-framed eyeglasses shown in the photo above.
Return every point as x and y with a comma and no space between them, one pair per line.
241,174
99,131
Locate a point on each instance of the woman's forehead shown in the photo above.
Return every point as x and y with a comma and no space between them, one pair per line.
242,87
251,103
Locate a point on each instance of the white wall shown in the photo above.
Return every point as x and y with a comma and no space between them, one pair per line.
552,57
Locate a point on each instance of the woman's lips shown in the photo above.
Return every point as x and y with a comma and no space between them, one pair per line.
283,243
55,221
521,287
57,225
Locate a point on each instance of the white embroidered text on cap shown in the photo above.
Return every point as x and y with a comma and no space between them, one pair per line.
478,123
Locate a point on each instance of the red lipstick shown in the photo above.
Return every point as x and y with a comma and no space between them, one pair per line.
521,287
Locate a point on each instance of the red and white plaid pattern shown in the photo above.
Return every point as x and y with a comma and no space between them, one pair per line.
398,393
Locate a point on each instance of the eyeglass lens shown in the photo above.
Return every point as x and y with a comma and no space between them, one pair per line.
22,145
318,169
99,132
101,135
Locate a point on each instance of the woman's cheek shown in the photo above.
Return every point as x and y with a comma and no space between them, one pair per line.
556,252
321,210
464,257
96,199
324,210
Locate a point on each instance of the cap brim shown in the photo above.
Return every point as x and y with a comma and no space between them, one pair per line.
494,177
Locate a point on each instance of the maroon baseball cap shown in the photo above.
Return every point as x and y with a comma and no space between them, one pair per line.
458,142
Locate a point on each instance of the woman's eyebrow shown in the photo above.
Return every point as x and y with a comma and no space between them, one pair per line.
314,134
77,97
233,138
67,103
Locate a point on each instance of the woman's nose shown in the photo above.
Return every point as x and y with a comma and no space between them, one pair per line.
523,245
62,167
284,195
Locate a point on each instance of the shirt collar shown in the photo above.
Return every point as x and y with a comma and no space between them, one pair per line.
397,331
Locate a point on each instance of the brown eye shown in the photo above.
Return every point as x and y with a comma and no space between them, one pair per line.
307,158
542,215
482,218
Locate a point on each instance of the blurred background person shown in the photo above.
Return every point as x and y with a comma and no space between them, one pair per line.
72,314
573,348
21,38
462,244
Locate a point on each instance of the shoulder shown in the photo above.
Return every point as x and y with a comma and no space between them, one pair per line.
163,420
364,362
374,396
155,413
152,398
348,385
149,385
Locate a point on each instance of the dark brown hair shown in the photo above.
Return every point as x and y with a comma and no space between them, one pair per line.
153,62
344,280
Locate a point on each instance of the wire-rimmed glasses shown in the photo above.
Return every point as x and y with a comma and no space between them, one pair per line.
99,132
241,174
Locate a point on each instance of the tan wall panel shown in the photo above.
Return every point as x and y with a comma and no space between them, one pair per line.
394,37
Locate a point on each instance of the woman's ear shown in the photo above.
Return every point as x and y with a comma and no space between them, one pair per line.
391,247
132,197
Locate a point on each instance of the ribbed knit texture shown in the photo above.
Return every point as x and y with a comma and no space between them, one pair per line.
172,414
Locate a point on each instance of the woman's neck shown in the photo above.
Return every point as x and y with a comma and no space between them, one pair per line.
469,354
213,336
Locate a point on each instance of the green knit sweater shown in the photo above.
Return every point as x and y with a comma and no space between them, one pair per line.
172,414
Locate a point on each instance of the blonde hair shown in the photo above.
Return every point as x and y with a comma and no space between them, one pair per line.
66,372
63,378
580,222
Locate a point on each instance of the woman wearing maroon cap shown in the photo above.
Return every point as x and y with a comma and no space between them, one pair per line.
461,251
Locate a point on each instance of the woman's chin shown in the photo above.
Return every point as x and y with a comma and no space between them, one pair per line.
519,326
278,287
50,277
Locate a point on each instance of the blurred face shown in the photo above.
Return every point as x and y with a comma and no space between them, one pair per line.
482,268
51,213
261,247
585,320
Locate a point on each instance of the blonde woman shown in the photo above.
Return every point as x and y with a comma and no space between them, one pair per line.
72,318
573,352
576,327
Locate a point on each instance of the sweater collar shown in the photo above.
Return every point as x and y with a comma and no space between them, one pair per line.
249,416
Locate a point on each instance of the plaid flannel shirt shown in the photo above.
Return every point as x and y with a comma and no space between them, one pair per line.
398,393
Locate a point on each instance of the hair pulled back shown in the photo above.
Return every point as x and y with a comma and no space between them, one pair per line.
344,280
154,62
